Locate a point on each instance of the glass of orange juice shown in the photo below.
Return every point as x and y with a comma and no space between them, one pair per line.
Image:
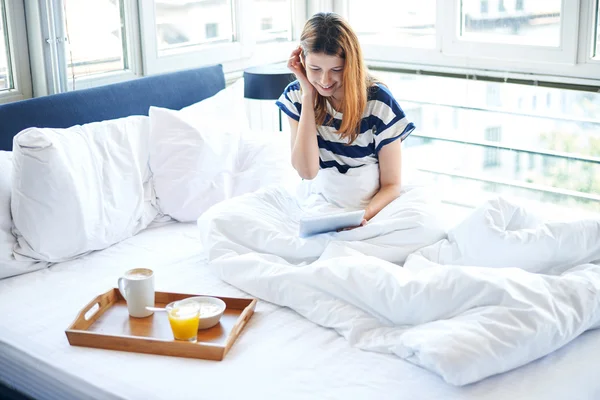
184,318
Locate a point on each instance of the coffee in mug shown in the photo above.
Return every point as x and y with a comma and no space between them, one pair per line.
137,288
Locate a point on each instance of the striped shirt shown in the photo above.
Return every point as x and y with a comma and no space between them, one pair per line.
382,122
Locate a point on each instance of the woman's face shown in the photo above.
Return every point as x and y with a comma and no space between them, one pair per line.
325,73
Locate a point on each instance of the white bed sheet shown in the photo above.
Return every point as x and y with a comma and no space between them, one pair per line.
279,354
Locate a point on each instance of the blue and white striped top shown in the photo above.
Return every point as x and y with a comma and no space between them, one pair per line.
382,122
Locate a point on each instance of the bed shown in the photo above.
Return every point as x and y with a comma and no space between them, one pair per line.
280,354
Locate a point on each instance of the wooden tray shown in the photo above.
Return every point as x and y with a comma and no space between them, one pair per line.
105,323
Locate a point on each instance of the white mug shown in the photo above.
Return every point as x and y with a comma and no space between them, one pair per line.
137,288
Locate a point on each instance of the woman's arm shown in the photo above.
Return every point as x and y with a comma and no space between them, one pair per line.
390,168
305,148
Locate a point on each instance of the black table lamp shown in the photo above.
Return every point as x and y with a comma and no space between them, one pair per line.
267,82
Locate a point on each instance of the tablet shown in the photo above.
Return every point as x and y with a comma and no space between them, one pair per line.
314,225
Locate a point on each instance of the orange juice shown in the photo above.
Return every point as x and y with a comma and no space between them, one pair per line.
184,320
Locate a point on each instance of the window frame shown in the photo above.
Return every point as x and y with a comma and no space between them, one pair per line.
45,19
572,63
34,74
220,53
278,51
243,52
596,34
587,35
133,55
18,53
565,52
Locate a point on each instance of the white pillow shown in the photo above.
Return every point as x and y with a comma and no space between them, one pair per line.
80,189
8,265
264,159
193,152
5,185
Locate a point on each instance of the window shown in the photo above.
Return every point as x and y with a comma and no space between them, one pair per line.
519,5
484,7
492,155
543,39
188,34
15,74
266,24
96,37
411,23
510,147
212,31
493,95
539,24
81,43
185,24
274,20
5,73
531,161
181,34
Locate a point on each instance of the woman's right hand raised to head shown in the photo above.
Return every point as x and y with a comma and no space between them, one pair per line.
295,64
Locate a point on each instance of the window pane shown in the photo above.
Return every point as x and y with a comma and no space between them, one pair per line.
95,30
274,20
404,23
4,67
556,130
191,23
528,22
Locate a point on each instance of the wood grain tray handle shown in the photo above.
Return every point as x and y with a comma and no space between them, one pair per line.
103,301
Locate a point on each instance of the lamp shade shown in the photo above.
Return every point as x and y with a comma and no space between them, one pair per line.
266,82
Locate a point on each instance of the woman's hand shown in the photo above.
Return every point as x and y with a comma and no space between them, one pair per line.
295,64
363,223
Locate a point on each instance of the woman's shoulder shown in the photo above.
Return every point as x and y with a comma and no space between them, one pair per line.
379,92
382,104
292,91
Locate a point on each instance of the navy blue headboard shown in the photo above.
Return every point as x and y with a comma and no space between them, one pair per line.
173,90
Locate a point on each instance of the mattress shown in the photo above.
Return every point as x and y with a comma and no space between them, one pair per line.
278,355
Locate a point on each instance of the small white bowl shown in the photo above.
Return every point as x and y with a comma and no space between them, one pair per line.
211,310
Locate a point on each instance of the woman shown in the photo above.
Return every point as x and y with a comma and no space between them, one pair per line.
346,134
340,116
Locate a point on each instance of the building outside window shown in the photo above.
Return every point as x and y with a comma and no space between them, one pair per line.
492,155
484,7
539,24
531,158
501,7
266,23
519,5
411,23
273,20
212,30
189,24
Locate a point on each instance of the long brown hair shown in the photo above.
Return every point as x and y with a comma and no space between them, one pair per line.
328,33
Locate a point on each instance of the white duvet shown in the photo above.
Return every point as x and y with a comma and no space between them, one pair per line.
501,289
